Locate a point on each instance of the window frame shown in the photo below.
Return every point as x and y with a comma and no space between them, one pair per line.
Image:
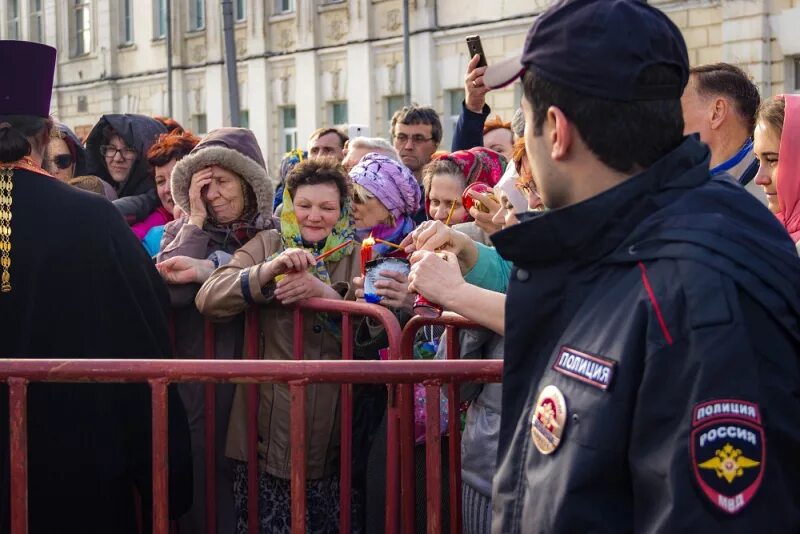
80,39
333,106
240,10
796,73
287,131
36,20
278,7
159,19
197,120
451,114
197,13
13,22
126,28
388,100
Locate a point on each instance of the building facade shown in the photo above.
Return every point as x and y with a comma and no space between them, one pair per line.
308,63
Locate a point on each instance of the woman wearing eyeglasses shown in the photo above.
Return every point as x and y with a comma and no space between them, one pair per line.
66,160
116,152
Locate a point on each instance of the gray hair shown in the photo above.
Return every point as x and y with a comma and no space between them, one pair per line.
375,144
518,123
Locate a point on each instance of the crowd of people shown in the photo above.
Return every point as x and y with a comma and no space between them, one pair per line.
613,241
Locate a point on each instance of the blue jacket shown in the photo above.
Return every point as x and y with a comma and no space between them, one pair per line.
665,314
468,132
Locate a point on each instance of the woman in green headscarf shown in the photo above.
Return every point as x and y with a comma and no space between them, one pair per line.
274,270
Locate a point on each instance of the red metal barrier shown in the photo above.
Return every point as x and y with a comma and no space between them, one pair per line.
297,374
452,322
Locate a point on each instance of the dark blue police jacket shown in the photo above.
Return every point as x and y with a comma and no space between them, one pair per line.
665,314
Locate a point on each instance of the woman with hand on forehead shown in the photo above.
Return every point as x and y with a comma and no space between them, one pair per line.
225,192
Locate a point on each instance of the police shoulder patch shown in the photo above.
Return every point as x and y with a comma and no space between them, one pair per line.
728,452
594,370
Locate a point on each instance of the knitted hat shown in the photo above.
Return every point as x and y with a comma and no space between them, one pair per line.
391,182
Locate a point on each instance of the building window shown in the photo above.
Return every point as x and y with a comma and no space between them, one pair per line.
160,19
284,6
452,102
81,42
244,118
288,128
797,73
328,2
197,15
199,125
240,10
35,29
12,19
126,30
393,103
338,116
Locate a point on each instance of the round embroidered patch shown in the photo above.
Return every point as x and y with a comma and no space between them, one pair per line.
548,419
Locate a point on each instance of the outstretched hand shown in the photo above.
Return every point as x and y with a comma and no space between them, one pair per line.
185,270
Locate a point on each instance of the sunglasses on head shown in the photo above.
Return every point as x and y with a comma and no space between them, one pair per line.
62,161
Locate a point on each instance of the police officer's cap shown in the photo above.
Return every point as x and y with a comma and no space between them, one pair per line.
599,48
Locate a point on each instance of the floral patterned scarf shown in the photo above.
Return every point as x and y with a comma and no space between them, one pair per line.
342,231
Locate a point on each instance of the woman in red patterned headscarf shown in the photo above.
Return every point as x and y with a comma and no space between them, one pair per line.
446,177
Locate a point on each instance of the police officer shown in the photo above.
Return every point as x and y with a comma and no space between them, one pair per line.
75,283
651,364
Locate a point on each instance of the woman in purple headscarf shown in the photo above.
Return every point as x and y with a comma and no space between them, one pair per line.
386,197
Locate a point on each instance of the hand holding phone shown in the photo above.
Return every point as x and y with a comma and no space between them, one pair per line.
476,48
474,88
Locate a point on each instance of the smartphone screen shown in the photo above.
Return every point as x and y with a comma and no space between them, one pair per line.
475,47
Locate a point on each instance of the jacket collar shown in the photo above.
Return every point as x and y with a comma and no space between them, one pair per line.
591,229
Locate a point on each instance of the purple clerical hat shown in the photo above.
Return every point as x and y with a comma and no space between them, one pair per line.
27,81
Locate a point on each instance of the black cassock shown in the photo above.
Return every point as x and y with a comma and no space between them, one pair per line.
83,287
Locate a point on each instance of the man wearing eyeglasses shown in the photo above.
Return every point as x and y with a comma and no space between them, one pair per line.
416,134
115,152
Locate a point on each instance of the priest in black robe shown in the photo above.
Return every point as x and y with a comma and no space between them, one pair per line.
76,284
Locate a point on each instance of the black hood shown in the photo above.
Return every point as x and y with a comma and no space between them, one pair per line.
139,132
676,210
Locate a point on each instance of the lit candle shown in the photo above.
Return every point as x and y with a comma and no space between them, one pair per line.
366,253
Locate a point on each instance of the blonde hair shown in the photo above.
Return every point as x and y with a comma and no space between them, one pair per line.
361,195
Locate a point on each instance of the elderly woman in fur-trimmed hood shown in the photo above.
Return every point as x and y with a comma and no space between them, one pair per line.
223,187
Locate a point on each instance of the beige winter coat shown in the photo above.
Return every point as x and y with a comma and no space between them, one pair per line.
222,297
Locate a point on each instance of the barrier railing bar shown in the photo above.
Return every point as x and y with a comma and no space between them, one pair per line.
398,375
297,426
18,454
160,459
253,328
454,427
251,372
393,332
297,418
392,460
407,483
433,458
406,438
210,434
346,440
